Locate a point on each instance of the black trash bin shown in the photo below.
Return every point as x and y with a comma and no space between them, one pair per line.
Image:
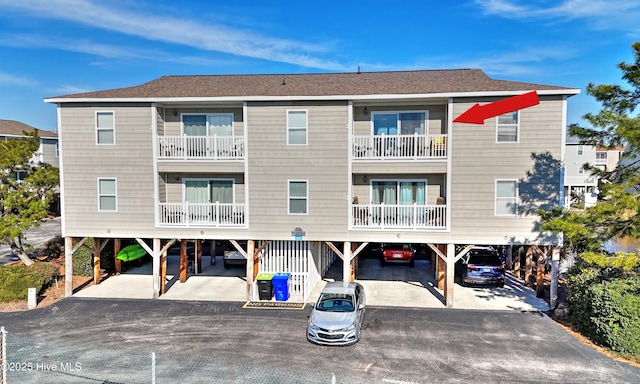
265,286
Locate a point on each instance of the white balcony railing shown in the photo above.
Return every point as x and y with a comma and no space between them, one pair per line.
399,216
206,214
201,147
399,147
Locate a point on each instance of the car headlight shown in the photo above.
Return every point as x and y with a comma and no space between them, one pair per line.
313,327
350,328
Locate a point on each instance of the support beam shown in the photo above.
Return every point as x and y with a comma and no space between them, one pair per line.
516,264
69,249
212,247
335,249
346,264
509,261
528,266
441,271
156,268
116,249
163,271
183,261
95,251
256,258
553,294
449,276
68,266
198,244
540,258
250,251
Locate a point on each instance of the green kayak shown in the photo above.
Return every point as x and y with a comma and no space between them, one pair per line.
131,252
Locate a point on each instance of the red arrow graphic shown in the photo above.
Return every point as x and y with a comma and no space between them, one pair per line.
478,113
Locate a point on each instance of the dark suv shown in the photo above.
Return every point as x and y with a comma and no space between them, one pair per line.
481,265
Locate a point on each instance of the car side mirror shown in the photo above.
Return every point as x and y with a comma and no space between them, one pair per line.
361,306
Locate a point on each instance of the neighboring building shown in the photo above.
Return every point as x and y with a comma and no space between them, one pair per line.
294,164
580,186
48,151
607,158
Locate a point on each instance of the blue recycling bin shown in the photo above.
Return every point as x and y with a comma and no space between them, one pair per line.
280,282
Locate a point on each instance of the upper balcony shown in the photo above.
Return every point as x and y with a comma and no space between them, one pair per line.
400,147
211,148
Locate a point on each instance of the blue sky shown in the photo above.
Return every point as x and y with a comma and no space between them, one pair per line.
57,47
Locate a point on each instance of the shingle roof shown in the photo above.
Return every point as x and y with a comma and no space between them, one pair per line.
15,128
320,84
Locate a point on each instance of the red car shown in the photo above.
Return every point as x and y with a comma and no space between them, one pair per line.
397,253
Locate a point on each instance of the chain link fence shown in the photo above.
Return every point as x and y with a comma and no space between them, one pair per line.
44,361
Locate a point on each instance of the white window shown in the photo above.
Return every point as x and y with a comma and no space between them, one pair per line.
601,157
107,195
297,127
508,127
105,132
580,170
506,198
298,197
580,150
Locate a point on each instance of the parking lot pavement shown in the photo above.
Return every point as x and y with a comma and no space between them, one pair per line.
141,341
36,236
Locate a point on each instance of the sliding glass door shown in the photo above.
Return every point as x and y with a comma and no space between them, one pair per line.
393,201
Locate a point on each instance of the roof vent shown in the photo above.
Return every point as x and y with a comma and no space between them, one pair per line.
284,80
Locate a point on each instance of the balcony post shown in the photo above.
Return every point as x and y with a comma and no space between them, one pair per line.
215,146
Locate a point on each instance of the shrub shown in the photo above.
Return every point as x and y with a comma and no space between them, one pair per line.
604,300
616,314
15,280
83,260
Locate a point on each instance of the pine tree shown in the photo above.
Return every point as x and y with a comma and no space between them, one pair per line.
23,204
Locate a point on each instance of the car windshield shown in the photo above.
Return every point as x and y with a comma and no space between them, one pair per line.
335,302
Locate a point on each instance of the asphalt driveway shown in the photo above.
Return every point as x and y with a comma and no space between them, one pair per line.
139,341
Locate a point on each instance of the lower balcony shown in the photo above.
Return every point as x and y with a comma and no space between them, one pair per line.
203,215
399,216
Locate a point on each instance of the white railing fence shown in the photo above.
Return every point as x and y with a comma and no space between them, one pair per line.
414,216
201,147
399,146
289,257
214,214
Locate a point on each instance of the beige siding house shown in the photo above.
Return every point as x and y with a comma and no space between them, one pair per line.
48,151
319,163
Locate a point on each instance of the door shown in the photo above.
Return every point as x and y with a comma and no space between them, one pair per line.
221,133
195,128
197,199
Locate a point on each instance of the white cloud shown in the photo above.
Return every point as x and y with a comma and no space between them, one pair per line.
11,79
525,62
604,14
171,29
70,90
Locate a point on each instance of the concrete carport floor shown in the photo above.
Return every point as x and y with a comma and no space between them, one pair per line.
215,283
399,285
395,285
